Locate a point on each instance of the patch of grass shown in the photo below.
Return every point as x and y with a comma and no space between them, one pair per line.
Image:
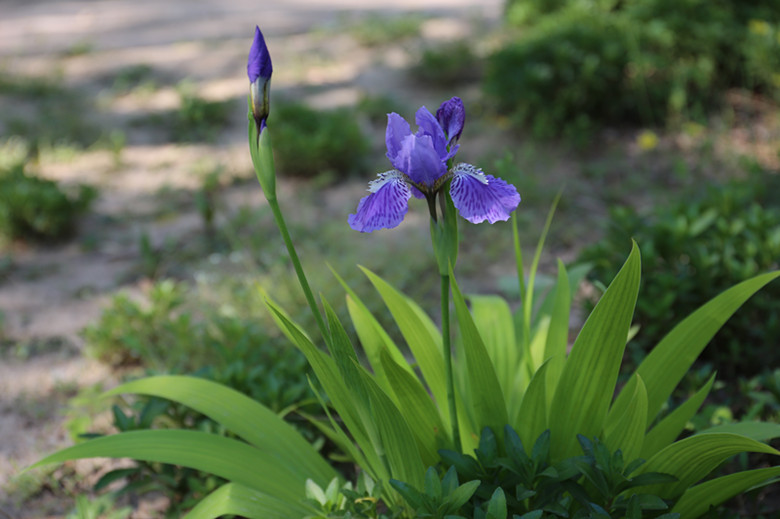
383,29
198,119
376,108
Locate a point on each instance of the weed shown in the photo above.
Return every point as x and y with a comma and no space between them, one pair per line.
377,29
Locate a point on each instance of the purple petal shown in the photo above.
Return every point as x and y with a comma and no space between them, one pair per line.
259,63
385,206
397,130
431,127
479,197
451,115
420,161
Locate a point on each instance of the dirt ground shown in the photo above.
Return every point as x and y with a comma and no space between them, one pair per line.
52,292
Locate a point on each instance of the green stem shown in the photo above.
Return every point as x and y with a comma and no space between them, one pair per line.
279,218
445,336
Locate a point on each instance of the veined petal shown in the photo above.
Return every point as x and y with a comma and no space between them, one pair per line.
397,131
479,197
385,206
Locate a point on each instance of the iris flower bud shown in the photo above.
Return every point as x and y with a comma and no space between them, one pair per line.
259,70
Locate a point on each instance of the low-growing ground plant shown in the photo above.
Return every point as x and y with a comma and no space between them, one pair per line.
378,29
448,65
694,249
39,209
311,143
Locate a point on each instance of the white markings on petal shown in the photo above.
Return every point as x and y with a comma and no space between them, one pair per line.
385,206
479,197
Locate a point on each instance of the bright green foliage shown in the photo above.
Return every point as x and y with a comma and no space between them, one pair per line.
312,143
580,64
380,425
34,208
693,250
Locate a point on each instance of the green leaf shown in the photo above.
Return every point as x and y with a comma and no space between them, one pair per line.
241,415
483,386
558,332
588,380
422,342
236,461
531,421
693,458
627,432
236,499
667,363
495,324
759,431
696,501
497,505
419,409
668,429
343,400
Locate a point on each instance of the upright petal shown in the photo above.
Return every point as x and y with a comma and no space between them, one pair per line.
385,206
431,127
397,130
451,115
420,160
479,197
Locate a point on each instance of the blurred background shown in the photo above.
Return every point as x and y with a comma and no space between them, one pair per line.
134,237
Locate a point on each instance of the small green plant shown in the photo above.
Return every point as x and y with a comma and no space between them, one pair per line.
198,119
313,143
694,249
131,77
448,65
34,208
102,507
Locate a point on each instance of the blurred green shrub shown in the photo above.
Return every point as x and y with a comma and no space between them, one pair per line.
33,208
693,250
579,64
381,29
448,64
308,142
198,119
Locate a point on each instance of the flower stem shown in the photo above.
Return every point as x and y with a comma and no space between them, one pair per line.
280,223
445,336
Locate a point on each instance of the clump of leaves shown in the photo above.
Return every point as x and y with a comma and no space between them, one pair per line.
310,143
449,64
34,208
693,250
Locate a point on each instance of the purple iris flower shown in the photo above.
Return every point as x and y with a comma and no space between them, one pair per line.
421,169
259,70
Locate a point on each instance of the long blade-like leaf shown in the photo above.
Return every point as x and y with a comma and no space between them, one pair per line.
668,429
489,406
588,380
424,346
240,414
693,458
418,407
531,421
628,432
760,431
235,499
225,457
669,361
696,501
494,321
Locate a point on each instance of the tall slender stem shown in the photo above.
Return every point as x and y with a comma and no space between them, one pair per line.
445,336
274,203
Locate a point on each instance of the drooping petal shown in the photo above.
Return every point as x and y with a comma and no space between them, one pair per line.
397,130
385,206
479,197
259,63
420,160
451,115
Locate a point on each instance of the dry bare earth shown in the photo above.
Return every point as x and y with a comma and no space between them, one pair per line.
53,292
